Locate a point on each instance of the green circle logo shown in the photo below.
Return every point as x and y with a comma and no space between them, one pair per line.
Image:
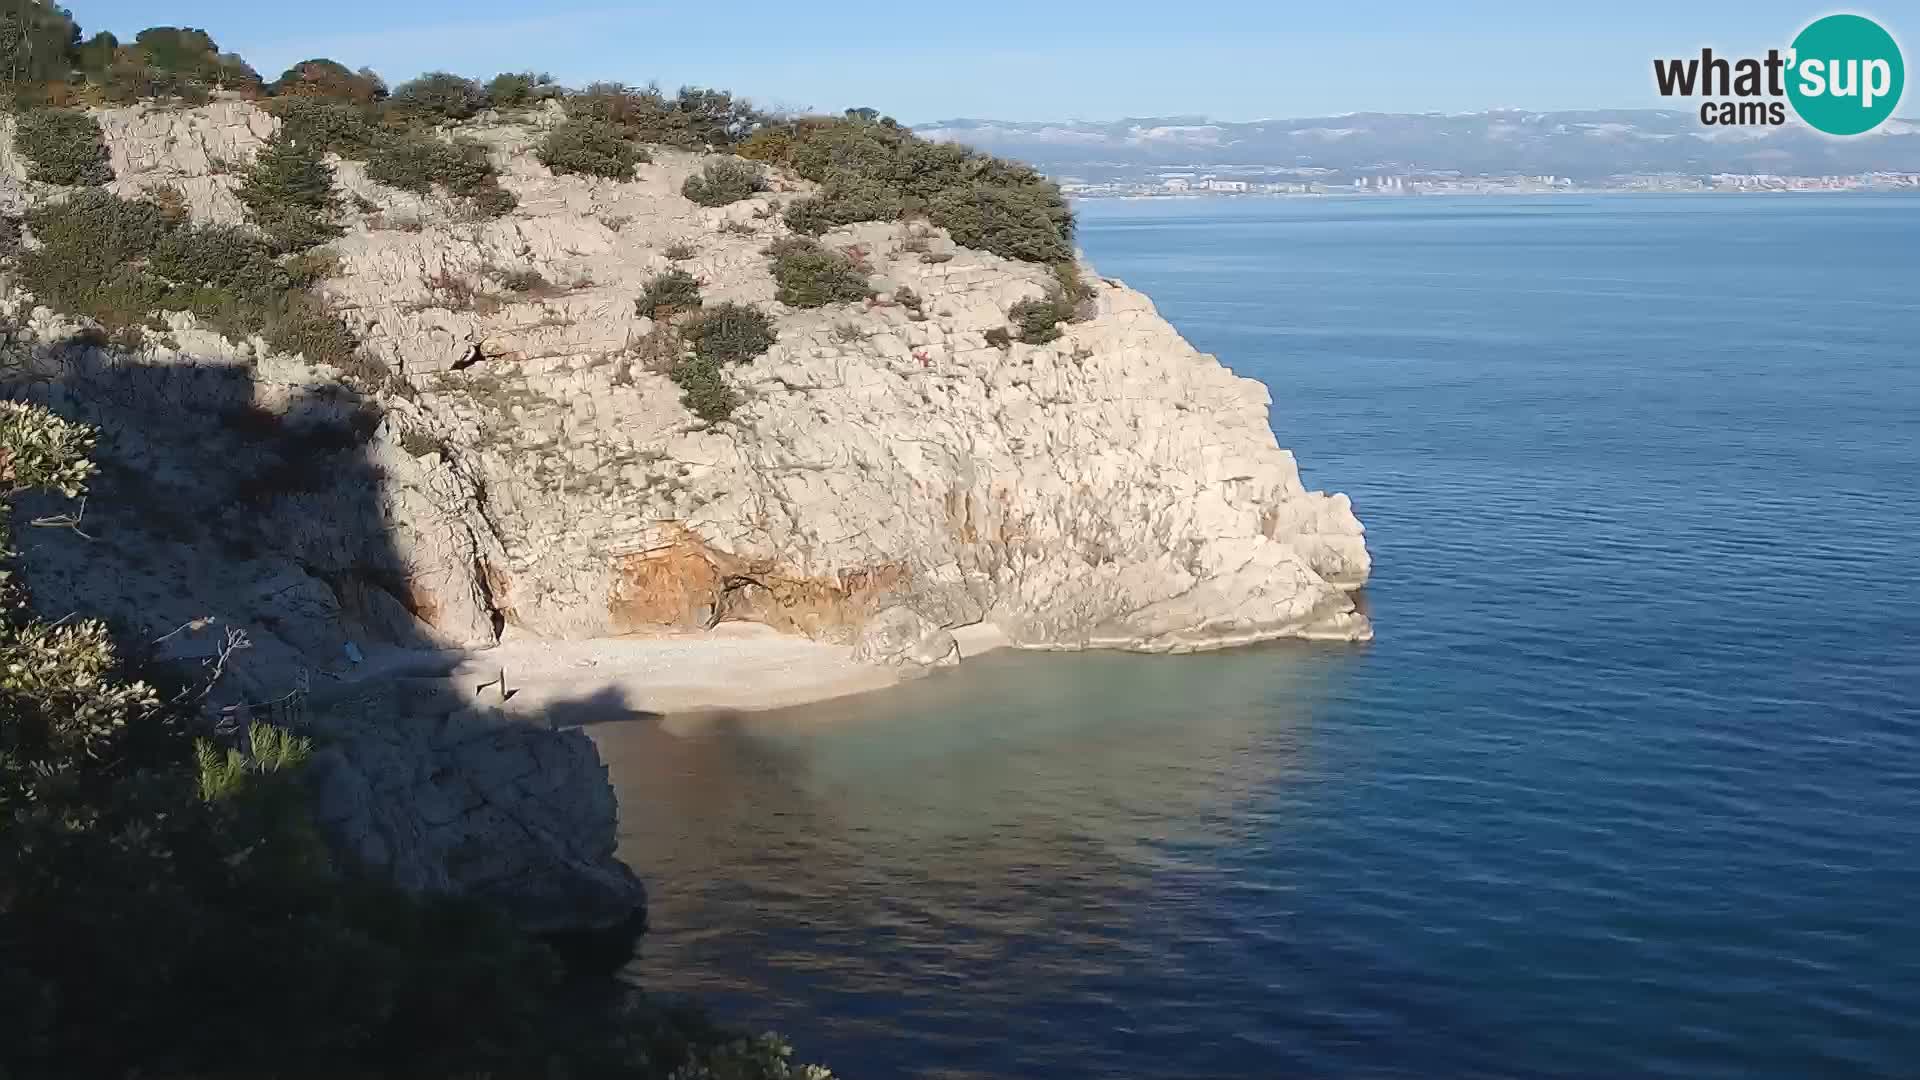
1845,74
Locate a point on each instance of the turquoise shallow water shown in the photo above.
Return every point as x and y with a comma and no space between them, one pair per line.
1629,784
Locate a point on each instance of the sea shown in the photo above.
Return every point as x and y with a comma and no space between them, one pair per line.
1628,784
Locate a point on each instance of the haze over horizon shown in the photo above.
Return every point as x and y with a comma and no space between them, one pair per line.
1233,61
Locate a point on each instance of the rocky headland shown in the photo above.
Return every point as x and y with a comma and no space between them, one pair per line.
508,464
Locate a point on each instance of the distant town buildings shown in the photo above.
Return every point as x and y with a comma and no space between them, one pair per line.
1385,181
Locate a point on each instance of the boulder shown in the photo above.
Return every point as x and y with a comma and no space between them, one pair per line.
902,637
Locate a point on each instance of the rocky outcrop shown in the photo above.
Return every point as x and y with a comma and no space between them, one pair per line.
1114,488
891,473
440,792
902,637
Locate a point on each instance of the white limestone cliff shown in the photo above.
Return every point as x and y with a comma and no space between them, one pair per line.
1114,488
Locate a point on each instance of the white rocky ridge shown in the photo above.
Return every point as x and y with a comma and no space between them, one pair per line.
1114,488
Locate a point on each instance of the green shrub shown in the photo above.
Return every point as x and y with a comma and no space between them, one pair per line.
221,257
37,48
417,162
808,216
302,324
288,191
725,181
163,62
89,260
517,90
844,199
41,450
324,78
590,147
440,96
810,275
667,294
339,127
1027,222
729,333
714,117
1073,296
999,338
63,146
704,390
10,236
1037,320
694,118
873,170
679,252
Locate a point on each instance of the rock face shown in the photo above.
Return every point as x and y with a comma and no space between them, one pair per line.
890,473
1113,488
446,794
902,637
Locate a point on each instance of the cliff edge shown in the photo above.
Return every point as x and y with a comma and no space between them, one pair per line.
896,467
1113,488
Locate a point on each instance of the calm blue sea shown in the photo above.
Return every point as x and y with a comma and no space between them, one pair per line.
1629,784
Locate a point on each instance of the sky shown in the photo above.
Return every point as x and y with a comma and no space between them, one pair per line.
1028,59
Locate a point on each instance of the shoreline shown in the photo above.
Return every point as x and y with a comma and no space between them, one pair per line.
735,667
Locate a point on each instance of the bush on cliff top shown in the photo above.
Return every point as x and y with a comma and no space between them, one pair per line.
63,146
723,182
694,118
167,62
440,97
329,79
873,169
809,274
519,89
590,147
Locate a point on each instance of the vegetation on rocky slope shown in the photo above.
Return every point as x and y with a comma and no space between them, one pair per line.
724,181
875,170
587,147
869,168
62,146
166,907
810,274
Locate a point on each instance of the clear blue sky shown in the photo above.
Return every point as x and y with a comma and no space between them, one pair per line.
1027,59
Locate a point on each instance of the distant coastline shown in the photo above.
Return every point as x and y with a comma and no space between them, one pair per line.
1262,196
1188,185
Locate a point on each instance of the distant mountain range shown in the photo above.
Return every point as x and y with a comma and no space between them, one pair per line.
1584,145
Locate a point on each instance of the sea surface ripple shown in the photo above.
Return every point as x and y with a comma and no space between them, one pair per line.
1629,784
